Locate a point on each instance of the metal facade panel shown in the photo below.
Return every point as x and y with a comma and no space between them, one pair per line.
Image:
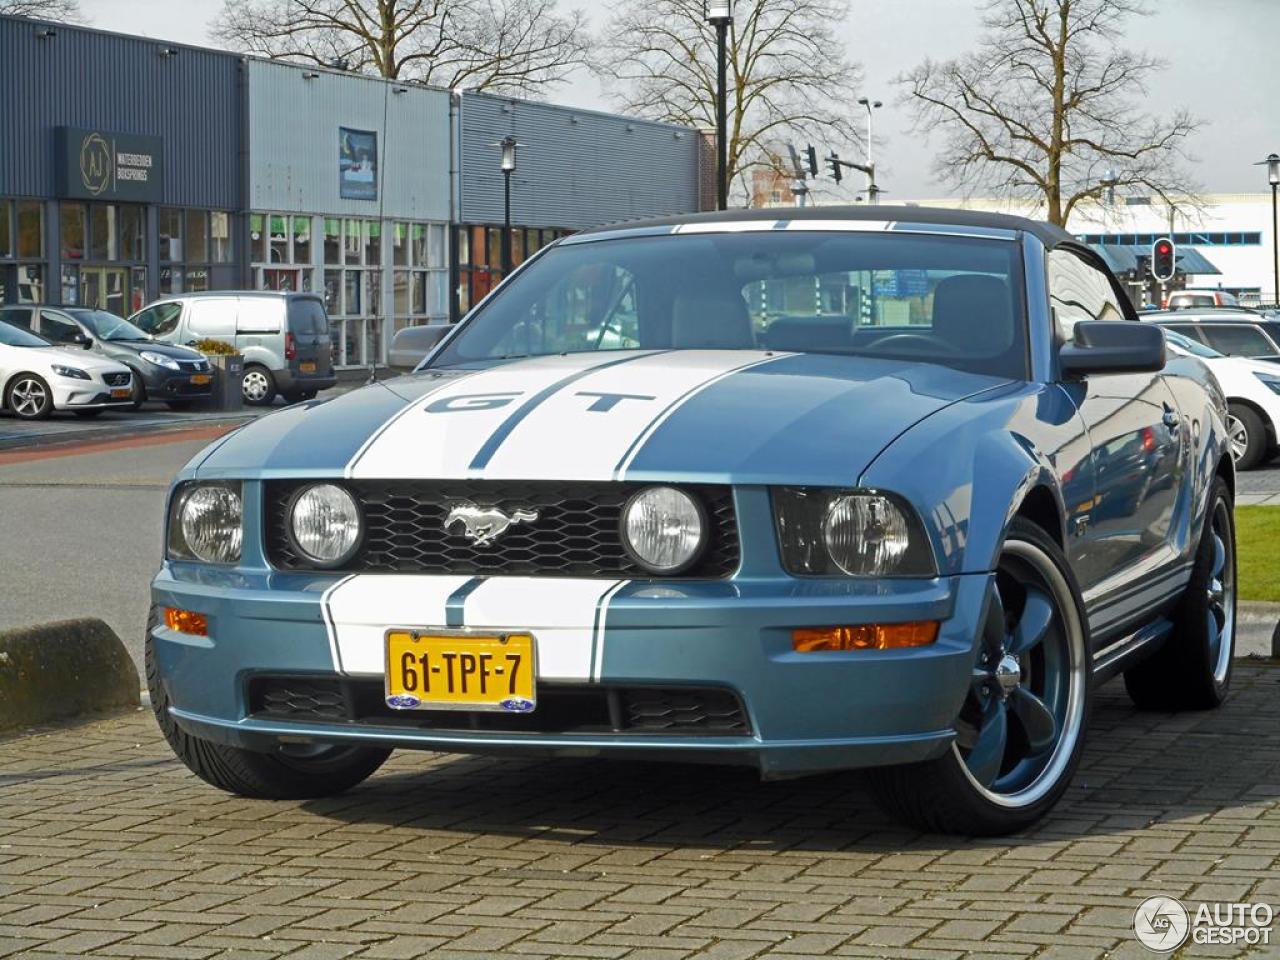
575,168
293,142
122,84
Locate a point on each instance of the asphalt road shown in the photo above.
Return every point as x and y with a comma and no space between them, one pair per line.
80,536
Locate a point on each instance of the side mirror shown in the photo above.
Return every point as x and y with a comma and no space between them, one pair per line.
410,345
1113,346
83,341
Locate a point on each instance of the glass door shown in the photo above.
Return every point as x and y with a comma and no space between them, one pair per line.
104,289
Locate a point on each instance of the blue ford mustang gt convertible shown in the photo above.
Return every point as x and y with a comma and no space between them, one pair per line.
891,487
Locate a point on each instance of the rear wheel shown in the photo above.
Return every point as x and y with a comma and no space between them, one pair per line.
1020,732
29,397
1192,671
1247,436
289,772
258,386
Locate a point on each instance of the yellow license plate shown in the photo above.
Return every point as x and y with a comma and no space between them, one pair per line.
307,367
120,394
200,379
434,671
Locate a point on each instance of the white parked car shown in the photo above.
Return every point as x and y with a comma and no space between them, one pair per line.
37,378
1252,389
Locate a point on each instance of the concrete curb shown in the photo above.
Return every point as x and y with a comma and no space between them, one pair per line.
63,670
1265,615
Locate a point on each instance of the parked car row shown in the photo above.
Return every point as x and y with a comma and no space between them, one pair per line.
57,357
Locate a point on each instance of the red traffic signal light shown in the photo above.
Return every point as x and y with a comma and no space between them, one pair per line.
1162,259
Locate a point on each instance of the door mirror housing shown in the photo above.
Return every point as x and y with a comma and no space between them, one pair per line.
82,340
1113,346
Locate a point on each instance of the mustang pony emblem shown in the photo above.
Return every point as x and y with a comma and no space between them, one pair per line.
485,524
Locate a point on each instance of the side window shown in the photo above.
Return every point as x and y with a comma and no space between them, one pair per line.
1189,330
57,328
215,317
19,317
159,320
593,308
1238,340
1079,291
260,315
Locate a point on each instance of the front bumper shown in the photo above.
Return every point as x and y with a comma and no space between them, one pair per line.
806,712
71,394
165,384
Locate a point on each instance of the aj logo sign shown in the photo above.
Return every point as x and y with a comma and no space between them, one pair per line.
600,402
95,163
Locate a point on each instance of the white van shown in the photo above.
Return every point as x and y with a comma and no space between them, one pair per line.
284,337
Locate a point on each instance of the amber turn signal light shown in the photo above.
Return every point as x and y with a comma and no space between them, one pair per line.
186,621
870,636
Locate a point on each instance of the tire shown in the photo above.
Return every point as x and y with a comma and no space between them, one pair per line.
321,771
88,414
28,397
1246,435
258,387
138,396
1021,729
1192,671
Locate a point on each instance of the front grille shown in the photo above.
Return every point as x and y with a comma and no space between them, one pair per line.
598,708
575,535
193,366
116,379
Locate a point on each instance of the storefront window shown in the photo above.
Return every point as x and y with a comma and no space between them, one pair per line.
373,243
30,230
400,246
353,243
373,288
279,237
170,280
197,236
220,237
70,284
332,241
102,232
133,232
302,240
196,279
332,292
437,257
30,282
419,245
352,302
400,291
6,229
170,226
71,225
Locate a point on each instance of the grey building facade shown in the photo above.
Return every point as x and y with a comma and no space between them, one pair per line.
133,168
121,166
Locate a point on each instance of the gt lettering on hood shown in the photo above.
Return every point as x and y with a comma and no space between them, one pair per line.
573,417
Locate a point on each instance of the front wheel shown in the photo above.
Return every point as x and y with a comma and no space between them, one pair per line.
1247,436
1020,731
292,772
29,397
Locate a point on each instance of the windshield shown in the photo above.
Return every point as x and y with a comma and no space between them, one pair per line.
11,336
107,326
950,300
1189,345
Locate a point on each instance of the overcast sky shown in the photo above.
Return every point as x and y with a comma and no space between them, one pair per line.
1221,53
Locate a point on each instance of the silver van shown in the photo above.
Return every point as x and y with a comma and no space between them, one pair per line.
284,337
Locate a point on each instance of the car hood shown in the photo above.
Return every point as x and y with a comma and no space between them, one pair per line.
154,346
714,416
82,359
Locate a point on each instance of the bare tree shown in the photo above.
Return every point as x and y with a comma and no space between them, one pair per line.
507,46
789,76
67,11
1049,108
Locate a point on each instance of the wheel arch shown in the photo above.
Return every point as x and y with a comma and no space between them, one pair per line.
1041,507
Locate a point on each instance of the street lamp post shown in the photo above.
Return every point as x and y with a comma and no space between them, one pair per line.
1273,177
508,145
720,14
873,191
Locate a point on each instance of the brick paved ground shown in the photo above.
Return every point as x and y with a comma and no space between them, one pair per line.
108,848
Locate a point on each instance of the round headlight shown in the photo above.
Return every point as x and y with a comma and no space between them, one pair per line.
211,524
325,524
663,529
865,534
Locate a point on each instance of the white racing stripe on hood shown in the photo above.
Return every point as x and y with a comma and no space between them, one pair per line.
359,609
417,443
565,616
587,430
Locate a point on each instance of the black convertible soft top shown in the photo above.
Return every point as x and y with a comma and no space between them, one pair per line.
1049,235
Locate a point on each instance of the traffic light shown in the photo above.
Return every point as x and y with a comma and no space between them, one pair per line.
837,172
812,155
1162,257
